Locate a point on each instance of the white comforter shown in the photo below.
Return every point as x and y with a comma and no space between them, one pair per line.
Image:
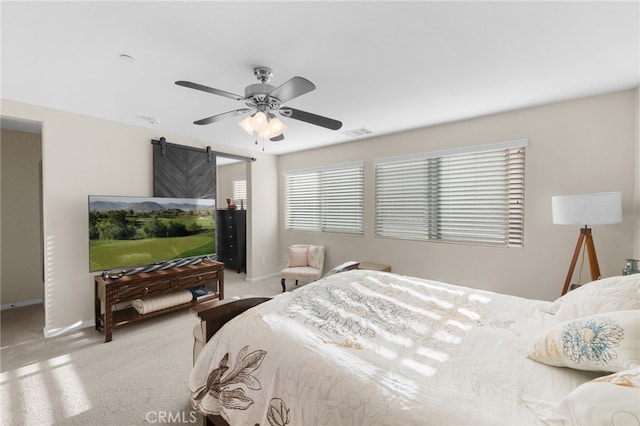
372,348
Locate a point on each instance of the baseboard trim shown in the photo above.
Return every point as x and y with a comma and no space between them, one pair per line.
21,304
73,327
263,277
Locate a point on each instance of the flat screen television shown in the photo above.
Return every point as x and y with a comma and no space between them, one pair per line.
139,234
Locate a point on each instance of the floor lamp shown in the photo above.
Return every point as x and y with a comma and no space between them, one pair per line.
602,208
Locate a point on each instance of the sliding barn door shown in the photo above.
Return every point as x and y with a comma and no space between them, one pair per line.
183,172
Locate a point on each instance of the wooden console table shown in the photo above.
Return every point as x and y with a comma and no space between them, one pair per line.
108,292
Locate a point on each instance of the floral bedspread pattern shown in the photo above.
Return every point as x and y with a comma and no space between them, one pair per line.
345,312
368,347
227,394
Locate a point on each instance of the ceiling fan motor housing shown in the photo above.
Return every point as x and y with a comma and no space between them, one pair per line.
258,94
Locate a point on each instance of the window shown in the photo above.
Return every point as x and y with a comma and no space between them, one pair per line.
326,199
469,195
239,191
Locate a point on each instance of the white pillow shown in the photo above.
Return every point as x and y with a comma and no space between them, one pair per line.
607,400
608,294
604,342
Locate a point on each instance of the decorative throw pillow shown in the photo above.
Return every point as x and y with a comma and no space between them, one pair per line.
298,256
607,400
608,294
604,342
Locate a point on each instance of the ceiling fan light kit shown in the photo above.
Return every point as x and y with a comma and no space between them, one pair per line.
263,100
265,127
246,125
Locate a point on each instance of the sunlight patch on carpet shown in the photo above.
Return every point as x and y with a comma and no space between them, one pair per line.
69,383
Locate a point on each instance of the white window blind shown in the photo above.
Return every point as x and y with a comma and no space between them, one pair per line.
327,199
473,195
239,190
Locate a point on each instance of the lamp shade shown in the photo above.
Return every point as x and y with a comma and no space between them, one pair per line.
246,125
276,127
260,123
599,208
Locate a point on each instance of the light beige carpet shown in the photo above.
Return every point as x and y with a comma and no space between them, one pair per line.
141,377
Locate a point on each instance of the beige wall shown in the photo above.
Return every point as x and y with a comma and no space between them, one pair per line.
262,229
636,206
80,156
262,212
586,145
580,146
21,258
224,181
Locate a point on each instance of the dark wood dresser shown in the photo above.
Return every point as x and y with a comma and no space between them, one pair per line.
231,239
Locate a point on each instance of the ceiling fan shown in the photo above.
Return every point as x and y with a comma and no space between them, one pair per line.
263,100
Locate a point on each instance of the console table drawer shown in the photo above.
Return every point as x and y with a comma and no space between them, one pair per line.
127,292
196,280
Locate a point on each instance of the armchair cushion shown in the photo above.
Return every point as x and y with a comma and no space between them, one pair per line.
316,257
298,256
301,273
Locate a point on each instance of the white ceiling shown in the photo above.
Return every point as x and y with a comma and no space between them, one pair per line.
383,66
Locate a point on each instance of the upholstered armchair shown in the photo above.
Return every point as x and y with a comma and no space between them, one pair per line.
305,262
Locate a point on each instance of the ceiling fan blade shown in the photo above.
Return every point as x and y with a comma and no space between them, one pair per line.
197,86
308,117
278,138
292,88
224,115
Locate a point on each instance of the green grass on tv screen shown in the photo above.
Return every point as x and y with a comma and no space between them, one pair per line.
110,254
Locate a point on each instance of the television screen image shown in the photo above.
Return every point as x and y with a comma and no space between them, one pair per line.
145,233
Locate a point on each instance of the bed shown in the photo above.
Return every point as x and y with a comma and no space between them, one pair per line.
375,348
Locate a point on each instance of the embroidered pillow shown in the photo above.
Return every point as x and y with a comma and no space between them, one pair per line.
604,342
612,399
298,256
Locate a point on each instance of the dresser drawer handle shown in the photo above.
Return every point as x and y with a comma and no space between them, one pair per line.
146,289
